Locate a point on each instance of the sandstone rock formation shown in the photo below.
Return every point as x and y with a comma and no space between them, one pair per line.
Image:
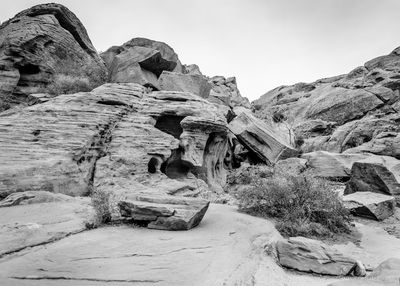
39,44
156,65
371,205
370,177
261,138
313,256
386,274
356,112
120,139
140,61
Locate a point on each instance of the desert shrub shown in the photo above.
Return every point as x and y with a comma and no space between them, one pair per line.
301,203
71,77
101,202
65,84
245,174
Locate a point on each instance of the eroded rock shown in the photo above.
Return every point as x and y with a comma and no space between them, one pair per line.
261,138
372,177
313,256
371,205
40,43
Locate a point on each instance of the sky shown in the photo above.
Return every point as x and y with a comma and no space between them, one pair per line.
263,43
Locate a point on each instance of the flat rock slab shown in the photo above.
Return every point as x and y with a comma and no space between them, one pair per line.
30,225
165,212
371,205
220,251
308,255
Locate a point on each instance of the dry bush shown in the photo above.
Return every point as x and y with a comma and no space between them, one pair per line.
71,77
301,203
101,202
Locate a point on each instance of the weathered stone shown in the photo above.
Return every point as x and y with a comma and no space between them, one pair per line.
308,255
40,43
27,198
339,165
357,112
388,271
193,83
372,177
371,205
261,138
386,274
140,61
226,90
39,223
118,138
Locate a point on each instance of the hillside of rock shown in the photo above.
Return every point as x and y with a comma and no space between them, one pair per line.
39,44
353,113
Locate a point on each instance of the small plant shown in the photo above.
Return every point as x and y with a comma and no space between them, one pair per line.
301,203
101,202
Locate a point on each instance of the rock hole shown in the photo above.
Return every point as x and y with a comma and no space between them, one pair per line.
111,102
170,124
175,167
29,69
152,165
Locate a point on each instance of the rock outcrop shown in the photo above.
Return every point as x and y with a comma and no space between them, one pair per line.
370,205
313,256
39,44
121,139
261,138
357,112
386,274
372,177
140,61
156,66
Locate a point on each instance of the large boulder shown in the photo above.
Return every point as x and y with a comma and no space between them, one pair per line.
140,61
165,213
386,274
40,45
226,90
373,177
370,205
261,138
339,165
313,256
193,83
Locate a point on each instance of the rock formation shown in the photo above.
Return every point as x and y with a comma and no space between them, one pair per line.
357,112
156,65
118,138
261,138
38,45
313,256
370,205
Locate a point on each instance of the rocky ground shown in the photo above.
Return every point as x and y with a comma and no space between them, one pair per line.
227,248
112,165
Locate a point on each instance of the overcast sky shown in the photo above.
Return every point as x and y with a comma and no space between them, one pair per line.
264,43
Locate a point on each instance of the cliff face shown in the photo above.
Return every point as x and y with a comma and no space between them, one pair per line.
37,45
352,113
